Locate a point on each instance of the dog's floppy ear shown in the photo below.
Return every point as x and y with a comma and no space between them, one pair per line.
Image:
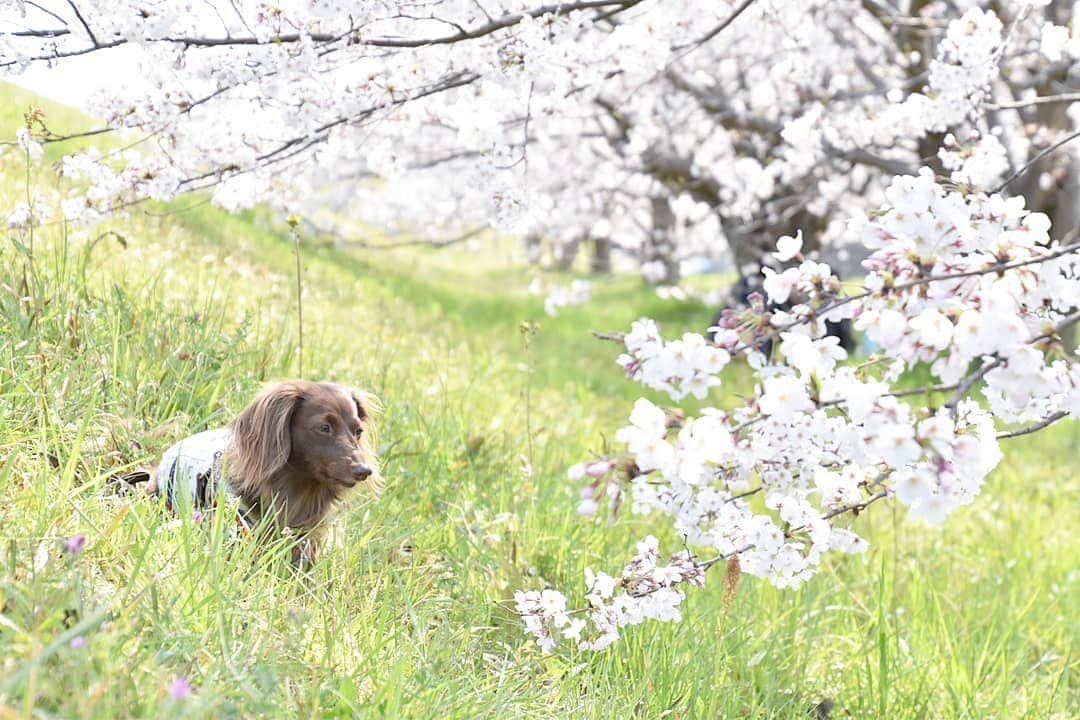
369,408
261,442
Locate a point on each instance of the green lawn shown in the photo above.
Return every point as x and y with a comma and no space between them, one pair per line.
110,350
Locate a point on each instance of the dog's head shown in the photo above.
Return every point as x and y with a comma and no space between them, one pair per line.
313,432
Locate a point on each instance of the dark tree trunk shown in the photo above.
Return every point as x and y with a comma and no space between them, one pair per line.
661,244
534,247
600,261
566,254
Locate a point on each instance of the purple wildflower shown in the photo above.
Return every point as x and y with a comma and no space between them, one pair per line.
180,688
75,544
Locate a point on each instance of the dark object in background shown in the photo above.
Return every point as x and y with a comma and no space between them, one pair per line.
740,298
823,710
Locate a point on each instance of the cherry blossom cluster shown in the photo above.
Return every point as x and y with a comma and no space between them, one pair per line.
1003,320
561,296
687,366
646,590
1059,43
980,162
966,283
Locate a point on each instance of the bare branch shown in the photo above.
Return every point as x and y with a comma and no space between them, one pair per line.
1035,427
1043,100
82,20
864,157
690,47
1036,159
60,32
964,385
854,507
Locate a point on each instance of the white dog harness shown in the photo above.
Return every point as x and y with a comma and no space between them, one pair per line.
192,469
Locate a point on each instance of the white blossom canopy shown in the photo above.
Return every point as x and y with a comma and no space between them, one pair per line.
672,128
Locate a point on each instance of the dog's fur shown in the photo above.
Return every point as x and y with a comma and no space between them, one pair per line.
297,451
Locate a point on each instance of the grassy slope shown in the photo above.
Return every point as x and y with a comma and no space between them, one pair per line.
108,353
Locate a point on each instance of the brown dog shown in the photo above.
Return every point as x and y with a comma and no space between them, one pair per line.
294,453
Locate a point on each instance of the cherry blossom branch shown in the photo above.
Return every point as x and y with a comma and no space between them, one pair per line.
855,508
298,144
824,310
706,564
638,586
66,53
1034,427
1040,100
965,385
690,47
82,21
1036,159
351,36
861,156
59,32
702,566
503,23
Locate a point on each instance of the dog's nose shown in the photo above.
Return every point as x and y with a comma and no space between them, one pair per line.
361,472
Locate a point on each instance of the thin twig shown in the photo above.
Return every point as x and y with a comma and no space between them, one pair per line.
690,47
1043,100
1035,427
85,25
748,493
1036,159
299,297
854,507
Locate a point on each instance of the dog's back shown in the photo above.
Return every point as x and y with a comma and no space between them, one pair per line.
193,468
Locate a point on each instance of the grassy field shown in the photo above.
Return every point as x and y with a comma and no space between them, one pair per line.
113,345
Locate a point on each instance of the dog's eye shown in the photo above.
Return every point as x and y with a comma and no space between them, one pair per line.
325,428
359,431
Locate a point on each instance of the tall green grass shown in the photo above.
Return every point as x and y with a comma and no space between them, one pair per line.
111,350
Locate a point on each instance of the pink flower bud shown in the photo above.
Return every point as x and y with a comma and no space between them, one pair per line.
597,469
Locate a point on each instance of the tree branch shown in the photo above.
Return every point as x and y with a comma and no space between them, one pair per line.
352,36
1036,159
690,47
1043,100
1035,427
82,20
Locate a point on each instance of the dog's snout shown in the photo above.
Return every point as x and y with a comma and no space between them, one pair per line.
361,471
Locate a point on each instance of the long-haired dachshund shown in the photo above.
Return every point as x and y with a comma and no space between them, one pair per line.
294,453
